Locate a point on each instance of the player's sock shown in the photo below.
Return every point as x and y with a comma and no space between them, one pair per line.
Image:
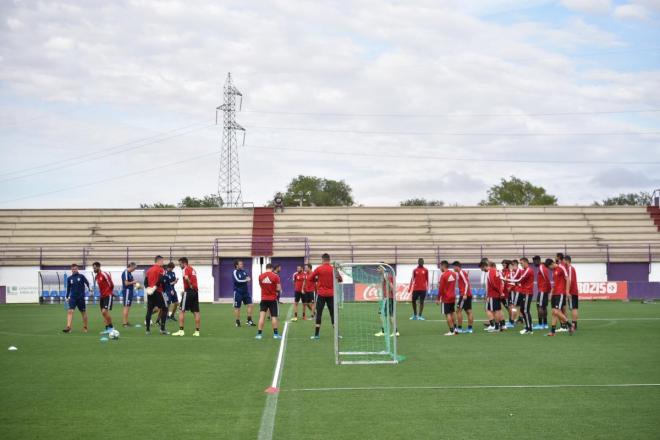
575,325
469,327
553,330
497,326
259,332
502,323
511,321
460,327
180,328
295,314
238,322
196,328
317,330
492,323
249,318
275,331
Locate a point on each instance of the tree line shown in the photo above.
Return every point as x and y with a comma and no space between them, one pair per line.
317,191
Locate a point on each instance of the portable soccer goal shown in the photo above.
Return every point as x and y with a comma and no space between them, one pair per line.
365,314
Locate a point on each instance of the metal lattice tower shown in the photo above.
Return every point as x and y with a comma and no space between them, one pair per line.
229,177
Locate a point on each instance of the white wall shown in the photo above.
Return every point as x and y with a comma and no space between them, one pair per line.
591,271
22,283
655,272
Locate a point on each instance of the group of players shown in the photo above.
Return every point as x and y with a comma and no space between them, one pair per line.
510,289
159,285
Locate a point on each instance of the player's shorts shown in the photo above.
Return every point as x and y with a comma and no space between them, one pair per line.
542,299
106,302
308,297
574,303
514,297
418,295
464,303
77,301
558,301
493,304
156,299
448,308
297,296
127,298
172,297
241,298
520,300
269,306
190,301
387,302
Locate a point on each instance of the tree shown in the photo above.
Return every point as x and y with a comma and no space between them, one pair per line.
317,191
421,202
210,201
641,198
517,192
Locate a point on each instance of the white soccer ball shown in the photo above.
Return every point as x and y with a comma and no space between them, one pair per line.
114,334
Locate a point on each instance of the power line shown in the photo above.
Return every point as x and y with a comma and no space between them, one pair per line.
438,133
77,160
449,115
91,153
110,179
451,158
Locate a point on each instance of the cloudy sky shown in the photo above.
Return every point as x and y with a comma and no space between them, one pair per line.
109,104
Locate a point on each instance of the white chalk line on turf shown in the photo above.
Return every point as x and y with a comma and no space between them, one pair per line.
267,425
475,387
580,320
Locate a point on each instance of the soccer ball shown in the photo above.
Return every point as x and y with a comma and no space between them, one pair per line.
138,285
114,334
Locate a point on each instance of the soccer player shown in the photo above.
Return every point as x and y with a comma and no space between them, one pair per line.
514,272
270,285
127,287
153,282
106,286
573,291
544,288
494,289
298,280
242,293
465,298
170,290
324,277
419,286
524,287
447,296
309,291
506,302
558,298
75,295
190,297
387,303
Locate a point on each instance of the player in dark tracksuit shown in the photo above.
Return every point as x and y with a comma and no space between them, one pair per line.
242,293
75,295
170,290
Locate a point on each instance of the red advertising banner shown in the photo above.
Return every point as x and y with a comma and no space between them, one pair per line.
603,290
369,292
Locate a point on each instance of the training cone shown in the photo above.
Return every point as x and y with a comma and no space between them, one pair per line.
272,390
12,348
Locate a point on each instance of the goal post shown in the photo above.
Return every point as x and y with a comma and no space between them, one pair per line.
365,314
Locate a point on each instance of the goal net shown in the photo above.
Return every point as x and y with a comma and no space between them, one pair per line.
365,314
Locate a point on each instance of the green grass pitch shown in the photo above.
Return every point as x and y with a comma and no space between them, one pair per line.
75,387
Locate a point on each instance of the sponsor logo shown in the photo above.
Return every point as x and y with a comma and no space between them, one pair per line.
603,290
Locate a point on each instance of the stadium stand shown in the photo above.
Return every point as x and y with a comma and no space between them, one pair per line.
394,234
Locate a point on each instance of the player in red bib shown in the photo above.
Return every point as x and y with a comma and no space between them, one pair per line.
324,277
419,286
189,297
572,291
558,298
298,280
544,287
309,291
271,287
494,287
447,296
154,280
464,298
524,288
106,286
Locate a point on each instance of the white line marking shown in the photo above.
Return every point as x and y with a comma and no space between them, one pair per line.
477,387
579,320
267,426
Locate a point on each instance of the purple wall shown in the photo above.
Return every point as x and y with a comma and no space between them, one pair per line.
286,275
643,290
223,275
3,294
628,272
